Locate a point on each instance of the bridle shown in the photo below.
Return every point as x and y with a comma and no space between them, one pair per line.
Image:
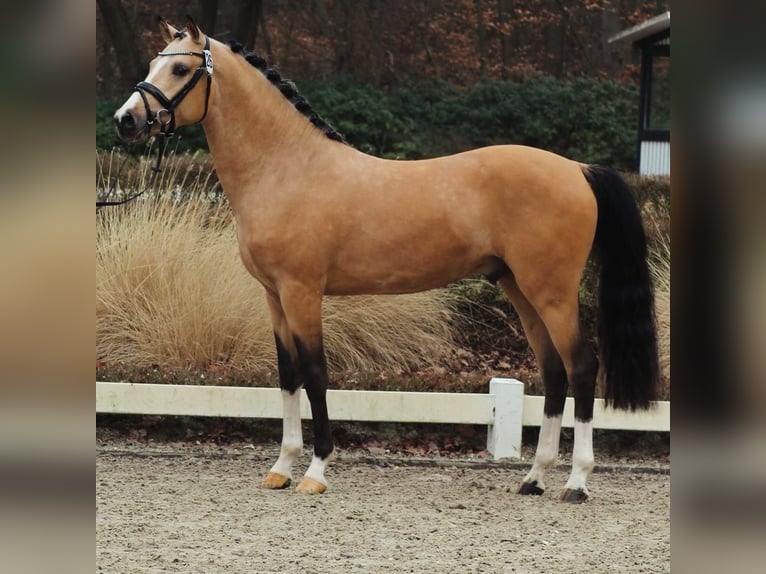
167,115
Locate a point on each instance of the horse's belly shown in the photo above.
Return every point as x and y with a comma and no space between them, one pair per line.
422,250
400,273
390,285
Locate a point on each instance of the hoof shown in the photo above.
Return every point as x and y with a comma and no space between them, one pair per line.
574,495
530,488
310,486
276,481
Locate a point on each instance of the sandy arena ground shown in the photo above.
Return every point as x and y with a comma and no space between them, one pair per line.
174,509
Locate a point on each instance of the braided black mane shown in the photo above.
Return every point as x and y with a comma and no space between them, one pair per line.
289,91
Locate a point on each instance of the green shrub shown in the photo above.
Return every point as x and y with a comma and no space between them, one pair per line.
365,116
106,135
585,119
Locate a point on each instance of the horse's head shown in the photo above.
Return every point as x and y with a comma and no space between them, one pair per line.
177,89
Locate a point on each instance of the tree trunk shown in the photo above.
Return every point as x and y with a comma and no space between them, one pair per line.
504,10
481,32
250,14
343,36
131,62
376,64
208,15
264,34
610,24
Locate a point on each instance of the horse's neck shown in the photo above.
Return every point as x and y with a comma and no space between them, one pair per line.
255,136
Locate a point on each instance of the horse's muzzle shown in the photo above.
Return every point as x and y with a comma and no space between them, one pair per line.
128,127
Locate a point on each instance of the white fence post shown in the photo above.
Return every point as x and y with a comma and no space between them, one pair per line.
504,435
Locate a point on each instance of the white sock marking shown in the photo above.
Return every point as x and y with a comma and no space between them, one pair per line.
292,434
582,456
547,450
317,467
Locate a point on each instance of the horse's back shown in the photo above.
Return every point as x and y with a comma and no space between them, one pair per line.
495,173
509,191
407,225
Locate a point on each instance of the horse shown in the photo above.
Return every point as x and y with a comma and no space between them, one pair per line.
316,217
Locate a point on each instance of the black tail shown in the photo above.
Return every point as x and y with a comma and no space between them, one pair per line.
626,323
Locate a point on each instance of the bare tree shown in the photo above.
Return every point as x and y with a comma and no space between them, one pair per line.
481,32
504,17
208,15
130,60
249,17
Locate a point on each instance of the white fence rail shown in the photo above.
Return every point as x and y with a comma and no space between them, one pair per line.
505,410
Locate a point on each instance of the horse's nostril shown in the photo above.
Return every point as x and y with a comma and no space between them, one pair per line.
125,122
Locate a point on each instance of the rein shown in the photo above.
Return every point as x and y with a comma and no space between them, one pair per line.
167,115
161,147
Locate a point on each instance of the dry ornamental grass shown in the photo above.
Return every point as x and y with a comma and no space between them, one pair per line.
659,265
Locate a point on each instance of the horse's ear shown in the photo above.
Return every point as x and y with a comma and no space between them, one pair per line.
191,27
167,31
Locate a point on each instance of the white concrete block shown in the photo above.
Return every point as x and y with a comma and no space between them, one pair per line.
504,435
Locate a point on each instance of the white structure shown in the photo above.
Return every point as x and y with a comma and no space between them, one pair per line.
505,410
652,39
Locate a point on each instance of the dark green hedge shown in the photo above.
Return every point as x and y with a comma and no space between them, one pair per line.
586,119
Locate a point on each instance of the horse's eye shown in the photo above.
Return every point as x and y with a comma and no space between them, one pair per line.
180,70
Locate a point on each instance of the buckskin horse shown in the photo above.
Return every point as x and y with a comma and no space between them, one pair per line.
316,217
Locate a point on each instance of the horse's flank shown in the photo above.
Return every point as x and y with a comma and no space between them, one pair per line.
351,223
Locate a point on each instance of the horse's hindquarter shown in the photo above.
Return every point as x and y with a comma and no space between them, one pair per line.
543,208
406,226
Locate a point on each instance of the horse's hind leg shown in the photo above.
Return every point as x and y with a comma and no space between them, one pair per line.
561,317
555,383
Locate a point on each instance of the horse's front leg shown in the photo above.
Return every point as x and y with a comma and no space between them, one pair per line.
314,367
280,475
302,307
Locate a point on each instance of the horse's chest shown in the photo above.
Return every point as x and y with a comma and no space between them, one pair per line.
257,258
